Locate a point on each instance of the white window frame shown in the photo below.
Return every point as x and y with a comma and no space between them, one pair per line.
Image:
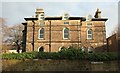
39,34
89,34
64,34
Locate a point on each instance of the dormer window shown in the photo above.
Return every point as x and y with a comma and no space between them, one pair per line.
65,16
89,17
41,16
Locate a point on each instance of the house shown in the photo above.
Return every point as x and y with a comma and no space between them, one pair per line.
113,43
50,34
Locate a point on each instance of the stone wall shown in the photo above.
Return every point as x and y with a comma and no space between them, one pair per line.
58,65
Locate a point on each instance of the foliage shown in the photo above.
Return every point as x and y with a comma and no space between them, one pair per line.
10,33
71,54
27,55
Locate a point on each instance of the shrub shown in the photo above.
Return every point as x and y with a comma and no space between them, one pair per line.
105,56
26,55
70,54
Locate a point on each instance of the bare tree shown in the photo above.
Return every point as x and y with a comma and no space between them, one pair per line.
10,34
17,32
17,35
5,30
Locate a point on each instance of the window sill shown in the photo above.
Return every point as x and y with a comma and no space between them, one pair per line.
41,39
89,39
66,39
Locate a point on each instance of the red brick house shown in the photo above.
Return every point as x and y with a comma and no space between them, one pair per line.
50,34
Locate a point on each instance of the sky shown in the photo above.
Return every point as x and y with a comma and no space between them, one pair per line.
14,11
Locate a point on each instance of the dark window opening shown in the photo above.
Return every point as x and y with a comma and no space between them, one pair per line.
41,49
66,33
42,33
66,22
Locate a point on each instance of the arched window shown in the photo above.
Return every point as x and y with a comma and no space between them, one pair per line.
41,49
41,33
89,34
61,48
65,33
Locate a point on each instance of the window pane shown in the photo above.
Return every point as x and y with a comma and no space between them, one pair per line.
65,36
41,36
66,22
89,32
66,33
42,33
90,36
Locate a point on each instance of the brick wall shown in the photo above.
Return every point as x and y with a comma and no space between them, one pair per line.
112,43
77,33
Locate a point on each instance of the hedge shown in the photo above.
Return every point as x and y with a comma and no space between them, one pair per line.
70,54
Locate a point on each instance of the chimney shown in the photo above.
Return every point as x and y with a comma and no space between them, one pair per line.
39,12
98,14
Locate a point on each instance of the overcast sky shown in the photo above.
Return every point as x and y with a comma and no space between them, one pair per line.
15,11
